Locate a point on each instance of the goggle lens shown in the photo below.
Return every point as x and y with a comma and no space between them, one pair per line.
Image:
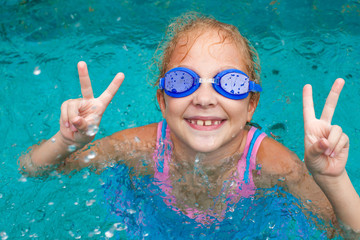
178,81
234,83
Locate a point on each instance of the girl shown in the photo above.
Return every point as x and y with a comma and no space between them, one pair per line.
204,149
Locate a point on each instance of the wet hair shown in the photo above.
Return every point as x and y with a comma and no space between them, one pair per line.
190,24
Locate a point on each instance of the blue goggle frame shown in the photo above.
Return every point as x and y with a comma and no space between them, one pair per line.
231,83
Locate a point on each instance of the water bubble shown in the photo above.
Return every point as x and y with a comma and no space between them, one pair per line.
1,196
53,140
92,130
118,19
51,203
71,148
37,70
91,190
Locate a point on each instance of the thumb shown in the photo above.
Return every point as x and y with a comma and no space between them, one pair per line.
317,149
80,124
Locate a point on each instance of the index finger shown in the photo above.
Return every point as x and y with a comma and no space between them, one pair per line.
308,104
332,100
111,90
85,83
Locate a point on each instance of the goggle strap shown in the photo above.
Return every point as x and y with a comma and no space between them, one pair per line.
254,87
161,83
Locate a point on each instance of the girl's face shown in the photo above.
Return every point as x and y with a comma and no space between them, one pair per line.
206,121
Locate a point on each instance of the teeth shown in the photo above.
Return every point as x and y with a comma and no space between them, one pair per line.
200,122
204,123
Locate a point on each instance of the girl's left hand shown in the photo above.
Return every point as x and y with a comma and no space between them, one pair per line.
326,146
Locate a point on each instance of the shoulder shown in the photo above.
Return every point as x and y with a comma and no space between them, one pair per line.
143,133
278,163
133,147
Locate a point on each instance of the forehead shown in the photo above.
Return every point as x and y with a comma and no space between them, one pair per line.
208,47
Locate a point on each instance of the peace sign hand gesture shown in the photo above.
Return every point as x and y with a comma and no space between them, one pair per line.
81,117
326,146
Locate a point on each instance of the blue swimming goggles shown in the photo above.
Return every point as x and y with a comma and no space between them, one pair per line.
231,83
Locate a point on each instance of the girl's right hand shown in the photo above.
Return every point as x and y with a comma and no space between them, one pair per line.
80,118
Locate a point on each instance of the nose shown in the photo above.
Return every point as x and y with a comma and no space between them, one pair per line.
205,95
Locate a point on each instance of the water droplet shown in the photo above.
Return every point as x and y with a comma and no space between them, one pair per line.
131,211
258,167
92,130
271,225
92,155
53,140
22,179
109,234
37,70
119,227
71,148
90,202
86,159
3,235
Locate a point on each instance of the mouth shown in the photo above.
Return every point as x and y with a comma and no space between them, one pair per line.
205,124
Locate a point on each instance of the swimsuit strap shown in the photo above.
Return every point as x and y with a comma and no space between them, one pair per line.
247,162
161,158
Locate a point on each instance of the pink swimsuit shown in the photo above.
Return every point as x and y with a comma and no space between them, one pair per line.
243,178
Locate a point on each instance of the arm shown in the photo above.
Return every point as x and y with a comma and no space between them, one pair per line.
79,118
326,153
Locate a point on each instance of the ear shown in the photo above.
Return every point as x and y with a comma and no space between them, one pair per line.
161,101
253,102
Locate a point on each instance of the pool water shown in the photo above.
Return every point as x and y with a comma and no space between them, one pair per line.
41,42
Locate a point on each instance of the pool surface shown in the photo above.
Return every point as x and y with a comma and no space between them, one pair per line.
298,42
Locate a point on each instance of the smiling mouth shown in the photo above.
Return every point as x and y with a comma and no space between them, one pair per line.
205,124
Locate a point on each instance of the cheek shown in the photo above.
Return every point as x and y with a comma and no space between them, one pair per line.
174,106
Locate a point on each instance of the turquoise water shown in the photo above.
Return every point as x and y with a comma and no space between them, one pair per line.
298,42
